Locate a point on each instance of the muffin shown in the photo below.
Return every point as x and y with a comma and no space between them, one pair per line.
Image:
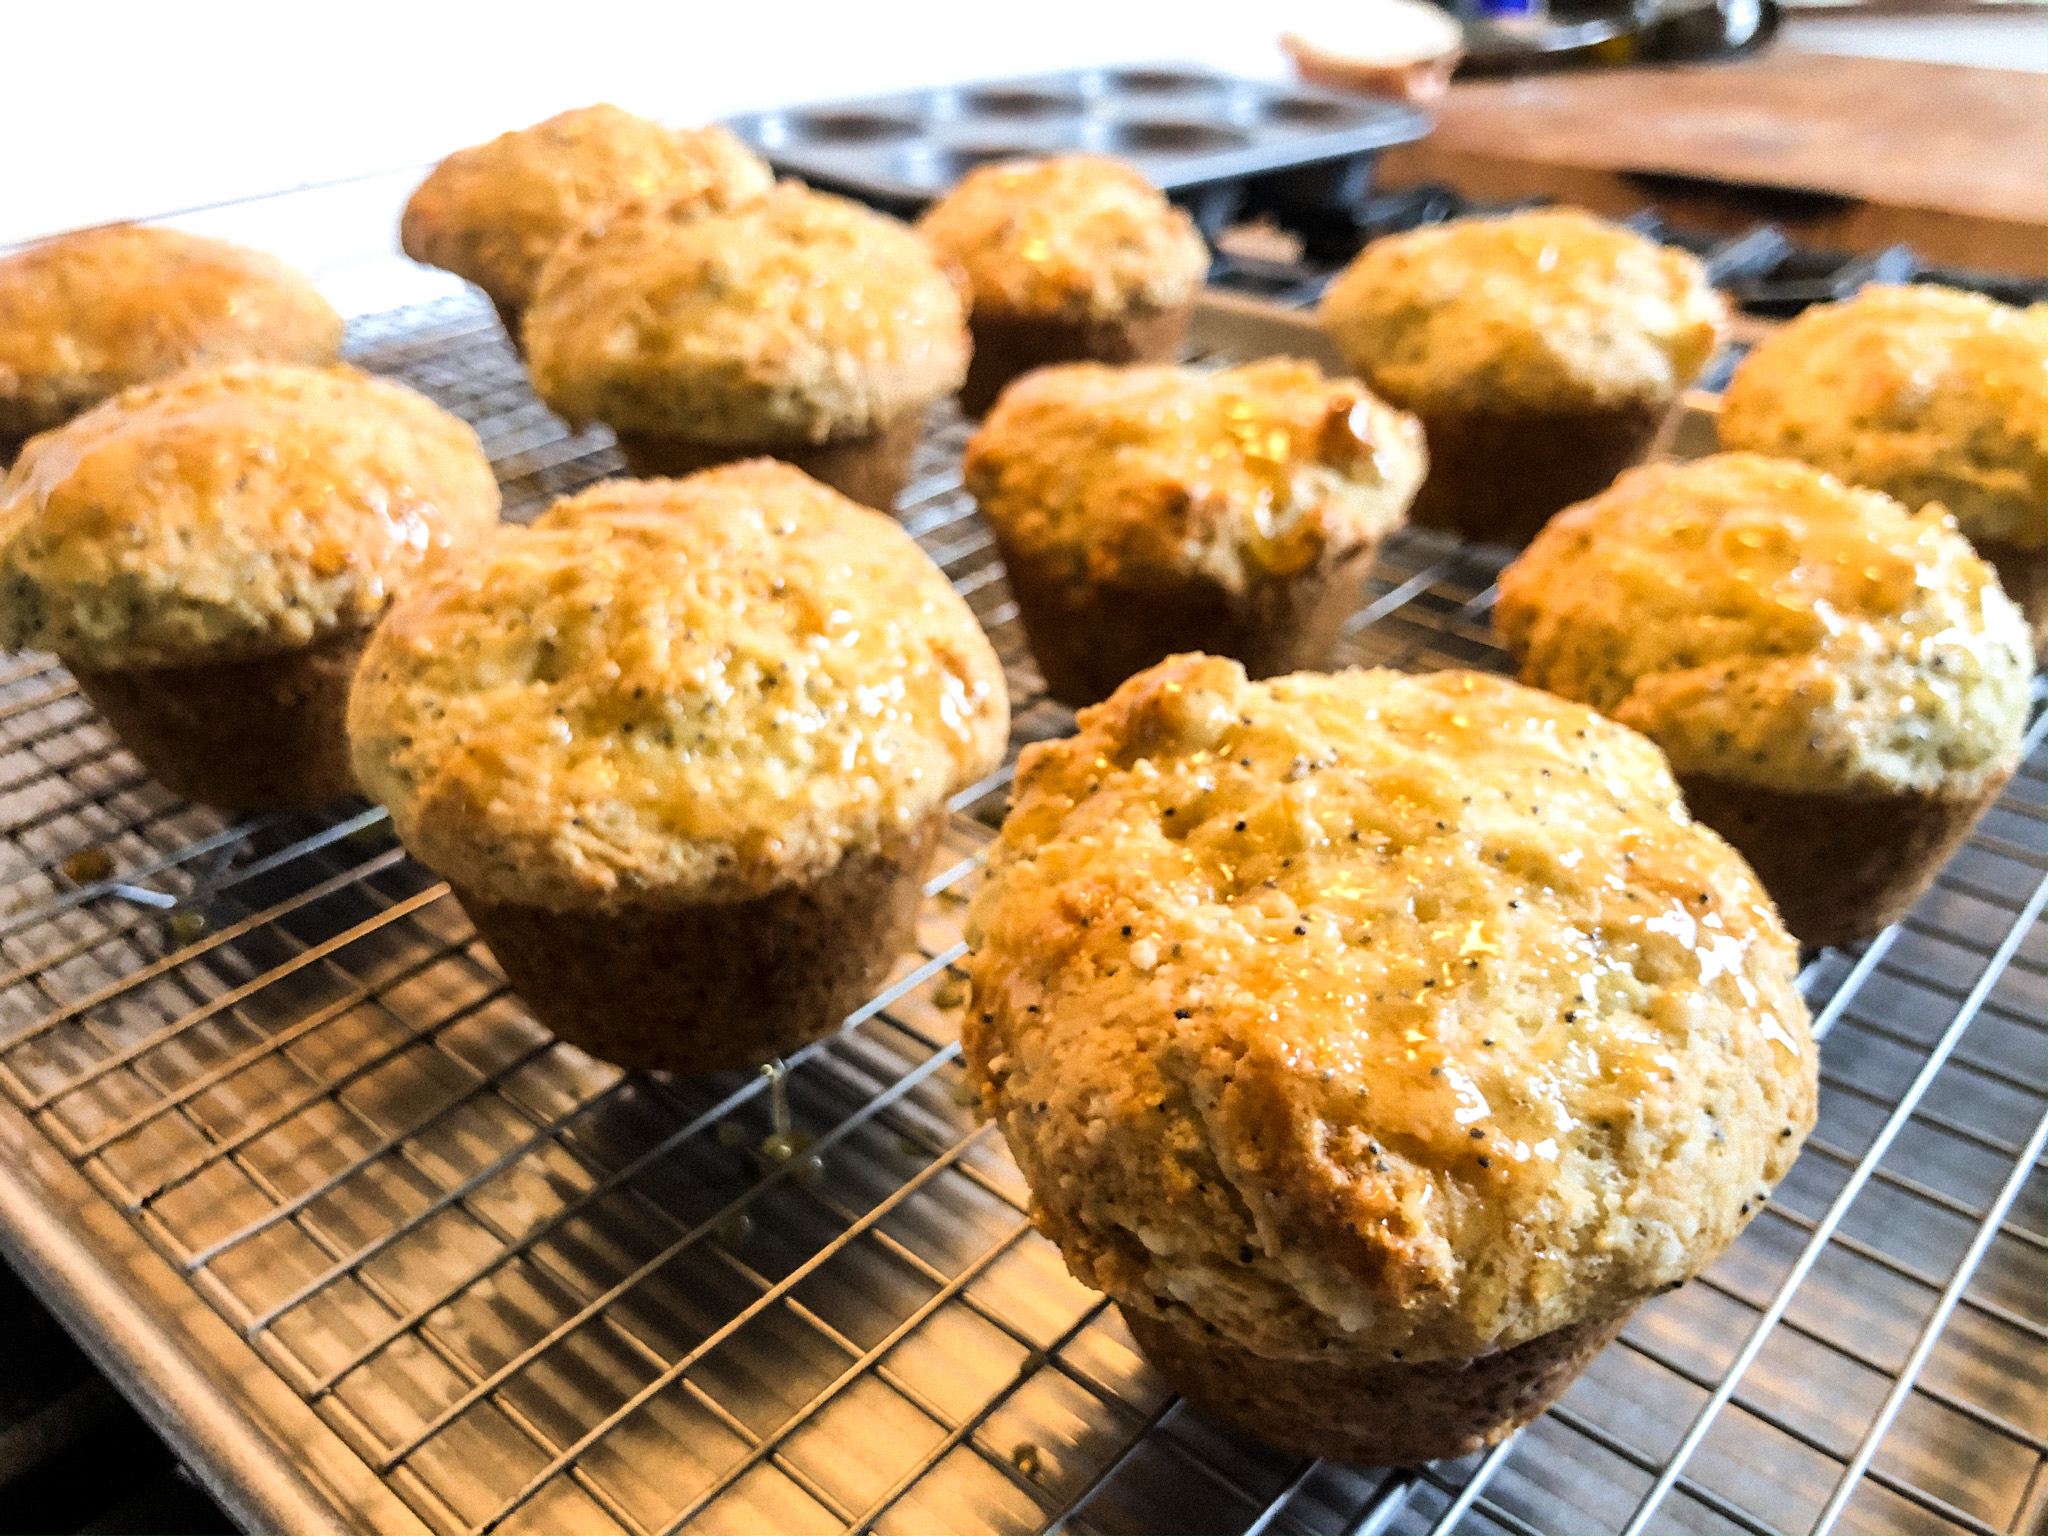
86,315
1143,511
800,327
1073,259
1839,683
1542,352
207,554
1923,393
1377,1042
492,213
683,750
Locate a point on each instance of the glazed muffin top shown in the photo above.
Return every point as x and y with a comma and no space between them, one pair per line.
1922,392
86,315
1548,309
232,512
1252,472
1403,1016
492,213
798,317
675,691
1763,622
1078,237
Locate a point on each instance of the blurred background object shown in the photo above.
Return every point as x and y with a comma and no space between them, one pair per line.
1553,34
73,1455
193,109
1405,50
1847,154
1369,46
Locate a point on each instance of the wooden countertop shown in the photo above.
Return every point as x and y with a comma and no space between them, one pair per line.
1849,153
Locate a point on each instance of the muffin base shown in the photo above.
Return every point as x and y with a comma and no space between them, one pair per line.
262,735
1088,640
1372,1413
1498,476
872,470
701,987
1006,345
2024,575
512,316
1840,867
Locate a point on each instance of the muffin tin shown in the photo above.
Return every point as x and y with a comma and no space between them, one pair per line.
1214,142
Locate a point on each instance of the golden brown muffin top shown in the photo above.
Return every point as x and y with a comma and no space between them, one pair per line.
799,317
492,213
86,315
231,512
1260,471
675,691
1079,237
1763,622
1545,309
1921,392
1399,1016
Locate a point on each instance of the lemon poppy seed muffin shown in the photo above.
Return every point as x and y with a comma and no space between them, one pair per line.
1542,352
1839,683
492,213
1069,259
1377,1042
1923,393
1143,511
802,327
85,315
208,552
683,749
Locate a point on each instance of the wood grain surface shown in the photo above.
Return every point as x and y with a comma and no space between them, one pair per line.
1849,153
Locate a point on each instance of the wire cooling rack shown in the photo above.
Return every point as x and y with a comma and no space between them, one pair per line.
379,1253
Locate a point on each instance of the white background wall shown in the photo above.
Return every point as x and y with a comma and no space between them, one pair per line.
138,110
156,107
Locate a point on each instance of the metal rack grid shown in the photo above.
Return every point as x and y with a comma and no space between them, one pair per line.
529,1293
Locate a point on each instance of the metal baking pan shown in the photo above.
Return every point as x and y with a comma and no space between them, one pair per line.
1210,140
377,1254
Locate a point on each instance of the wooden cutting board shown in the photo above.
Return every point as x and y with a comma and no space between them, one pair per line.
1848,154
